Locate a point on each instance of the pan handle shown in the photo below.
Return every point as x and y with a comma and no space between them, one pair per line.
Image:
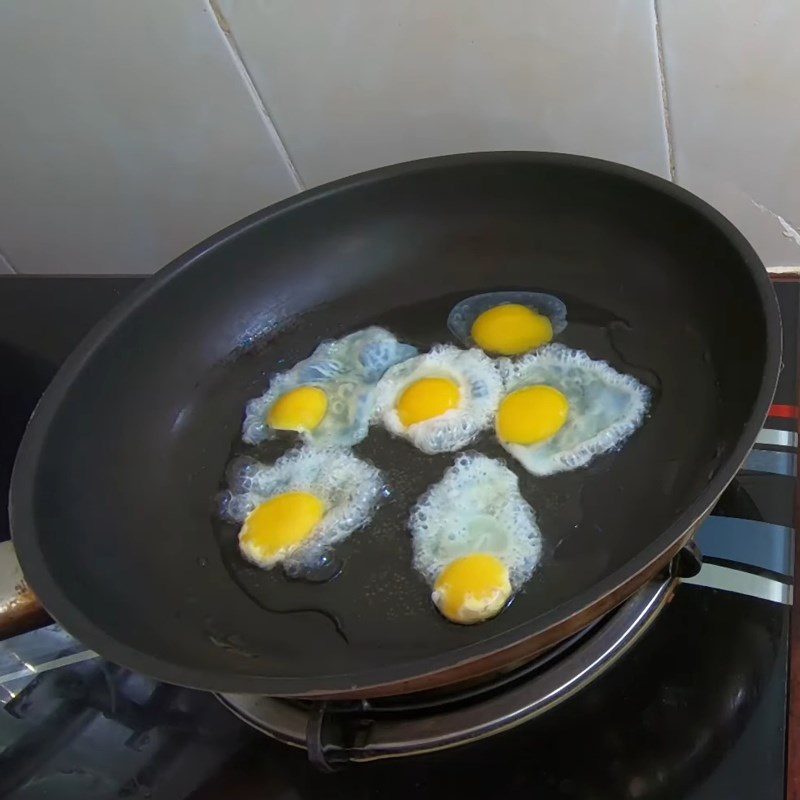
20,609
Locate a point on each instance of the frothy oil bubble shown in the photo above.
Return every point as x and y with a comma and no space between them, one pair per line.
475,508
605,407
349,488
320,567
479,387
347,370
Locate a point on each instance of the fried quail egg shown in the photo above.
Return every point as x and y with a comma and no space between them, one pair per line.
507,323
475,539
294,510
328,397
560,409
439,401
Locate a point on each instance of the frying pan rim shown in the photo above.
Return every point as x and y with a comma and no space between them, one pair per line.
21,512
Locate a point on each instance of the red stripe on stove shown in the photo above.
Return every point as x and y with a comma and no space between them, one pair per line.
783,411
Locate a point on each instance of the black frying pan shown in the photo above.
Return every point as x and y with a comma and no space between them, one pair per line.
112,494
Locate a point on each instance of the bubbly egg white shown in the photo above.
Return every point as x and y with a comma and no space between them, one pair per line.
475,508
479,385
349,487
605,407
465,313
347,370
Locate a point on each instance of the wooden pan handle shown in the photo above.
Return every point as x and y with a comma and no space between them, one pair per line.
20,610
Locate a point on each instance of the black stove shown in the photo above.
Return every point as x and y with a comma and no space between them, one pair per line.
681,693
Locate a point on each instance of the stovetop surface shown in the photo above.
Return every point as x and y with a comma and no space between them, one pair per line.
697,709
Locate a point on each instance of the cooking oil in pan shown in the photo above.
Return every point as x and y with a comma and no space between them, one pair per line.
592,519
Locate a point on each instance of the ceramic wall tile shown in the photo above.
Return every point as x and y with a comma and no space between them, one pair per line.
128,135
733,86
356,84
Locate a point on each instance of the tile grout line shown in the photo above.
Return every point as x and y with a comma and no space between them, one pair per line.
258,100
662,80
4,261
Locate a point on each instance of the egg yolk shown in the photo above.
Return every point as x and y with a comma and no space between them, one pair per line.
280,525
531,415
301,409
511,329
472,589
427,398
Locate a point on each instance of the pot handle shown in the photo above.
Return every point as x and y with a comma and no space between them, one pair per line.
20,609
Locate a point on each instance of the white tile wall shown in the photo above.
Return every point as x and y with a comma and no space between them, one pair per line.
127,135
131,130
356,84
733,85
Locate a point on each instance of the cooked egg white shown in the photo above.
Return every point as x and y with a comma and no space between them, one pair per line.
475,539
439,401
292,511
560,409
327,398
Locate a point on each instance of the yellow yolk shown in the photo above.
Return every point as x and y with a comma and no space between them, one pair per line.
427,398
531,415
302,409
511,329
472,589
280,525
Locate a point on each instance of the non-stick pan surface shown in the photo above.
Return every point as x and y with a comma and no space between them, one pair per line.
113,491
